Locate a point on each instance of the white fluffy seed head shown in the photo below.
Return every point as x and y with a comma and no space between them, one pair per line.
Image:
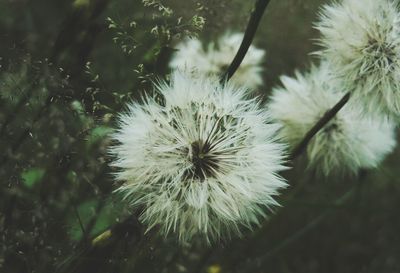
216,58
199,158
350,141
361,38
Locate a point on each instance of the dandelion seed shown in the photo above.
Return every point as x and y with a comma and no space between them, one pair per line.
200,158
362,41
350,141
216,59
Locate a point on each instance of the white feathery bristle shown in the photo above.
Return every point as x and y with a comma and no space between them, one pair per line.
199,157
349,142
216,58
361,38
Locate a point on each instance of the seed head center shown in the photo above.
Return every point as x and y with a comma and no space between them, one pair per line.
204,162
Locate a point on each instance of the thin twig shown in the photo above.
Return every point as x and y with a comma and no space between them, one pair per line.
251,29
79,219
251,265
328,116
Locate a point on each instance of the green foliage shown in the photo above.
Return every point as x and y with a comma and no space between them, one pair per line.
93,214
32,176
98,133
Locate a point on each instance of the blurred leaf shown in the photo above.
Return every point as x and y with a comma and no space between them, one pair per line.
214,269
84,118
32,176
81,3
72,176
87,211
98,133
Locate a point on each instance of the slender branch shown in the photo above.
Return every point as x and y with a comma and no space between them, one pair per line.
251,29
341,201
79,219
328,116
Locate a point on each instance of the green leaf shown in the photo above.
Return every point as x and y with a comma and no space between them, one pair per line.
87,211
32,176
98,133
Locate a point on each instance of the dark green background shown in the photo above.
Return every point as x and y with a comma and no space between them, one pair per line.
56,112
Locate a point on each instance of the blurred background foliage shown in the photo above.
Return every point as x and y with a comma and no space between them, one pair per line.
67,68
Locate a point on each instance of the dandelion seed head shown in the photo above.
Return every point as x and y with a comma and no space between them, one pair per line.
199,158
215,59
350,141
362,41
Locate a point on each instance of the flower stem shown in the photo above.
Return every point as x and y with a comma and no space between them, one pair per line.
328,116
251,29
